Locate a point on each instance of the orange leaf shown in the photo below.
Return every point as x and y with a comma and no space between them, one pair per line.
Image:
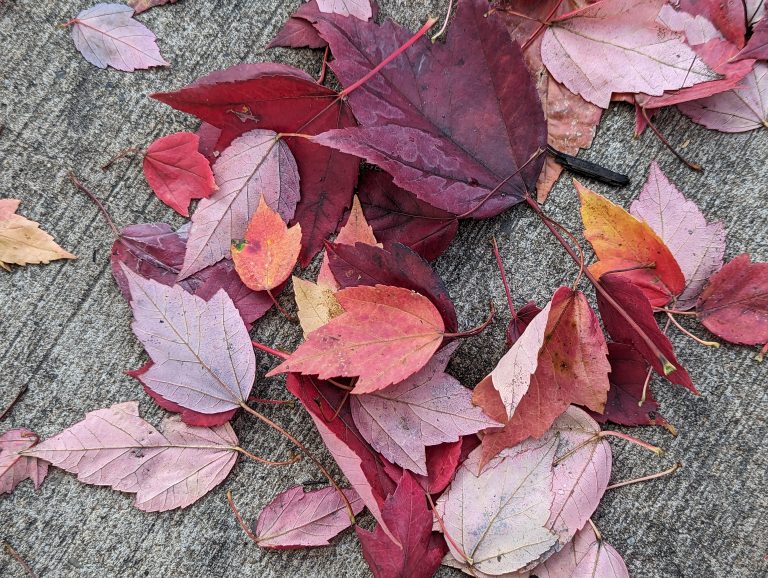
270,250
624,243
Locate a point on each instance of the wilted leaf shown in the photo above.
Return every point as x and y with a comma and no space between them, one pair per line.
202,353
177,172
107,35
317,304
299,519
384,335
22,242
15,468
428,408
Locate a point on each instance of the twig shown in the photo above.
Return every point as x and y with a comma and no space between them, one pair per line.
671,470
665,142
684,331
239,518
11,551
445,24
80,186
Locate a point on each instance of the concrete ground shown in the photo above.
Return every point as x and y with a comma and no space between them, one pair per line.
65,335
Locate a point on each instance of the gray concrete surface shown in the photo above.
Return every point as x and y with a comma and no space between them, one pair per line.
64,328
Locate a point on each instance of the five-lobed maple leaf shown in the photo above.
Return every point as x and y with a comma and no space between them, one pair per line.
22,242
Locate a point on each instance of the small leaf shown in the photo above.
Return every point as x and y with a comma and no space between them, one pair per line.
384,335
14,467
22,242
269,253
115,447
299,519
107,35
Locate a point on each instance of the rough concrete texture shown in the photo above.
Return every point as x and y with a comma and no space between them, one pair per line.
65,335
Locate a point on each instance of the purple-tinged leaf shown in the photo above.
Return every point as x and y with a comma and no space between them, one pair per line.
601,560
757,46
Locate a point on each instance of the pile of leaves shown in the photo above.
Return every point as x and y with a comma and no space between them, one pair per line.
501,479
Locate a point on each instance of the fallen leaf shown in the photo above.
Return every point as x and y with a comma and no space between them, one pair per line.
616,46
622,242
363,264
741,109
727,16
141,5
521,320
358,8
757,45
398,216
645,336
601,560
285,100
696,245
270,250
256,165
22,242
734,305
755,11
359,463
496,518
15,468
299,519
115,447
107,35
428,408
420,551
298,32
177,172
317,305
454,159
202,353
384,335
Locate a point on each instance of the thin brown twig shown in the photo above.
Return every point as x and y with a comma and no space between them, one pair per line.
11,551
684,331
81,187
239,518
671,470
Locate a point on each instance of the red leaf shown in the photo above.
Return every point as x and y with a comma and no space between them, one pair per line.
363,264
632,300
209,135
398,216
141,5
409,518
521,321
384,335
15,468
286,100
734,306
757,46
177,172
448,156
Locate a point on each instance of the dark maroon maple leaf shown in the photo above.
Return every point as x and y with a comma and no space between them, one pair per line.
521,319
398,216
286,100
410,519
627,378
209,135
362,264
658,353
449,121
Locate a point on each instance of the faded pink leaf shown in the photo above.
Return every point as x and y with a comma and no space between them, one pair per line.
141,5
562,564
741,109
601,560
498,517
255,164
697,246
427,409
299,519
15,468
107,35
115,447
358,8
615,46
202,353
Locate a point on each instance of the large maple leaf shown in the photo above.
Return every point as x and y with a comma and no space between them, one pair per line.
450,122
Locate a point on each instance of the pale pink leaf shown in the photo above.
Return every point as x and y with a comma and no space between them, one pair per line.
358,8
202,353
498,517
15,468
616,46
427,409
603,561
115,447
741,109
299,519
755,10
697,246
255,164
562,564
697,28
107,35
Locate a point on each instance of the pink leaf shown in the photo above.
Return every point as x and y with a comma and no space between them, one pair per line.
107,35
299,519
410,519
202,353
427,409
498,517
563,563
142,5
757,47
697,246
177,172
255,164
15,468
358,8
601,560
618,46
115,447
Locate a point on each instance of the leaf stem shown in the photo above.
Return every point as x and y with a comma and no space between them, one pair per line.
440,522
475,330
239,518
268,349
597,532
80,186
324,66
445,23
11,551
280,429
253,399
673,311
123,153
671,470
256,458
666,143
347,91
602,434
684,331
503,273
541,28
280,308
